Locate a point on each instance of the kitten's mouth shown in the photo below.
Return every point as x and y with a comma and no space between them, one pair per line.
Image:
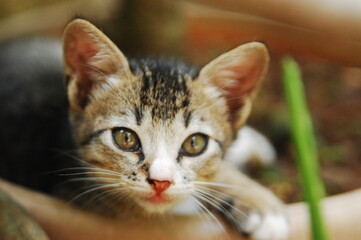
156,203
157,199
159,202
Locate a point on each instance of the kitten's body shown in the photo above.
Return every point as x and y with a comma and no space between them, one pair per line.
163,104
33,114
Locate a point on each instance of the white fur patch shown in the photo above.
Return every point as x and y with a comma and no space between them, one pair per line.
268,227
253,221
250,144
162,169
185,207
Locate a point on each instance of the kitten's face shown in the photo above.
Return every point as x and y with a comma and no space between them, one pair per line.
159,126
179,142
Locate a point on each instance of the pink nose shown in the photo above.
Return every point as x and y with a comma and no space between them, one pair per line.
159,186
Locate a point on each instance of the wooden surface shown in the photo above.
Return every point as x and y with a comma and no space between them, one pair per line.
62,221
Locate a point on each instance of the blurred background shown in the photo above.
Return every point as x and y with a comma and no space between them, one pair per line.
324,36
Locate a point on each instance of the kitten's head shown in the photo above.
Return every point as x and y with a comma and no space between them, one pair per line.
159,125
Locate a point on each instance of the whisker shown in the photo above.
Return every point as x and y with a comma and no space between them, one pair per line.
83,168
202,214
104,197
73,155
218,206
214,191
92,179
220,185
92,190
210,213
221,208
88,173
210,191
203,209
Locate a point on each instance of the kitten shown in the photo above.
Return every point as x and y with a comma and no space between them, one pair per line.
154,133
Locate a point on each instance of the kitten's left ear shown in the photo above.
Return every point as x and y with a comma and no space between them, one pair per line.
90,59
237,74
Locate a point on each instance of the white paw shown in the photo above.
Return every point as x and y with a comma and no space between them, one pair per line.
267,227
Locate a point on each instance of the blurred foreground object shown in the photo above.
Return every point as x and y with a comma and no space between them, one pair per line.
325,29
61,221
16,223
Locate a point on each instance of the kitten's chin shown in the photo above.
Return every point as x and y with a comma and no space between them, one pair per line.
156,205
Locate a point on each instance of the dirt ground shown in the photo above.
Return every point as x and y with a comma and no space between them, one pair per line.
334,99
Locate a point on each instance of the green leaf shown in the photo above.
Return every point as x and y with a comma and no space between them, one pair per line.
305,145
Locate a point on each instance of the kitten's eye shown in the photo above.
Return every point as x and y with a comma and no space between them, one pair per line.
194,145
126,139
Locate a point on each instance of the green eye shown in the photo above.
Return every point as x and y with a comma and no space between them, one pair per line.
126,139
194,145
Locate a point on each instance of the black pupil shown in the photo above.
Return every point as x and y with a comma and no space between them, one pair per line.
126,136
193,141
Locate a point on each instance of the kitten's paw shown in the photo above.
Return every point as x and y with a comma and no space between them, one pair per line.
269,226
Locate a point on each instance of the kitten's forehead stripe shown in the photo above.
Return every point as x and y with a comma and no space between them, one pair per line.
187,117
164,85
138,115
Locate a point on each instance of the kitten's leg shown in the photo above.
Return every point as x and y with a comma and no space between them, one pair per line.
248,206
250,144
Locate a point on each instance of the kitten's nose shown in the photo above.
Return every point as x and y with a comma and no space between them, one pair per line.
159,186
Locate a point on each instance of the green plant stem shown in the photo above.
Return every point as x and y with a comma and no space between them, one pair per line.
305,146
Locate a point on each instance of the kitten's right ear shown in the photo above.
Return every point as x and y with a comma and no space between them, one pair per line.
237,75
90,58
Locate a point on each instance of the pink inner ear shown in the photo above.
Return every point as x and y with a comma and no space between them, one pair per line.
81,51
246,78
